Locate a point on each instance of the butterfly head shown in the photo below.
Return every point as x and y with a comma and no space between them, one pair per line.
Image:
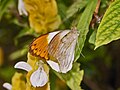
75,33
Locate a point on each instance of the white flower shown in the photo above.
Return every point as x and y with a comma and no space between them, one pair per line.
21,8
38,78
8,86
23,65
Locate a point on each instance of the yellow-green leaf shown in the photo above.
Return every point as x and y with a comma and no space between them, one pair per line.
83,25
73,78
3,6
109,28
75,7
19,53
93,37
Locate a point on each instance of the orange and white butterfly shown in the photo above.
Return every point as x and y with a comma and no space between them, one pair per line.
57,48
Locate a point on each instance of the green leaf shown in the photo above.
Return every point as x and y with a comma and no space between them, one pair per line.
25,32
3,6
83,26
7,72
93,37
109,28
75,7
73,78
19,53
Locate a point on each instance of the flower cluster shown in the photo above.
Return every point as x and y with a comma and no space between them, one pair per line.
43,14
37,75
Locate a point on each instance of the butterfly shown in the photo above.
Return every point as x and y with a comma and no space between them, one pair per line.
57,48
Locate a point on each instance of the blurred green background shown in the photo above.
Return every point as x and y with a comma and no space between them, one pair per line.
101,66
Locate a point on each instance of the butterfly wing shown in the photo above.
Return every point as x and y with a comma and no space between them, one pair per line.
62,48
65,63
40,45
68,57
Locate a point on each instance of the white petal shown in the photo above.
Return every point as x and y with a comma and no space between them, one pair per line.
21,8
54,65
23,65
39,78
7,86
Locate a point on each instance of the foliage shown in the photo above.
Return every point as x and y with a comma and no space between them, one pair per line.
83,24
73,78
110,25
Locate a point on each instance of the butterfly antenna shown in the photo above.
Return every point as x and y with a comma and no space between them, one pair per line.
79,49
82,55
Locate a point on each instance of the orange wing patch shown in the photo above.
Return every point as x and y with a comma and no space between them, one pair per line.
39,47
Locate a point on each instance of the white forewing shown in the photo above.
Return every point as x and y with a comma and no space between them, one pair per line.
39,78
66,64
23,65
62,48
7,86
